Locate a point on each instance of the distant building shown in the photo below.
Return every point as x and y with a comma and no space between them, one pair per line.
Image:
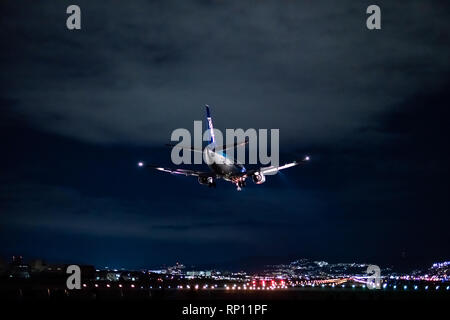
177,269
199,273
17,260
18,269
38,265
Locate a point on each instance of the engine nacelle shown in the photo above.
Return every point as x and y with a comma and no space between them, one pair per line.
258,178
207,181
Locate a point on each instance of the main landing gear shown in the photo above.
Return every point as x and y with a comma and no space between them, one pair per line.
240,184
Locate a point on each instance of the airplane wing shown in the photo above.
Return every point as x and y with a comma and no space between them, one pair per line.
272,169
275,169
184,147
183,172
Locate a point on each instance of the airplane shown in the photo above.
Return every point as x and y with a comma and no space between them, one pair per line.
221,166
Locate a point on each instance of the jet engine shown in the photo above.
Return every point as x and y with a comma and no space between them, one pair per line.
258,178
207,181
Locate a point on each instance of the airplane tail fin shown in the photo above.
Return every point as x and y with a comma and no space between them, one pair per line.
210,125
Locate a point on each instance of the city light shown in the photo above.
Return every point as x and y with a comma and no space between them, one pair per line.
175,278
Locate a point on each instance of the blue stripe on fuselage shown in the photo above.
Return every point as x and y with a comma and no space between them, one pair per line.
227,169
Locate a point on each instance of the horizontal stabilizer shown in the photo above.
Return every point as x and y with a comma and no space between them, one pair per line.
184,147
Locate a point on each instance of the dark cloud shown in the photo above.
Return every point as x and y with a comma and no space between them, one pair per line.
134,74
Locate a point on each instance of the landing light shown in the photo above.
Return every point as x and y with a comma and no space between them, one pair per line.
307,158
140,164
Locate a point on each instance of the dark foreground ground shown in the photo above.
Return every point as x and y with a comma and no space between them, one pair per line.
229,304
297,294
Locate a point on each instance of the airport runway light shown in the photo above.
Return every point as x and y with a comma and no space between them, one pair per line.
415,287
426,287
405,287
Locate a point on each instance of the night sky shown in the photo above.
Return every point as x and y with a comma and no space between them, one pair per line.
78,109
